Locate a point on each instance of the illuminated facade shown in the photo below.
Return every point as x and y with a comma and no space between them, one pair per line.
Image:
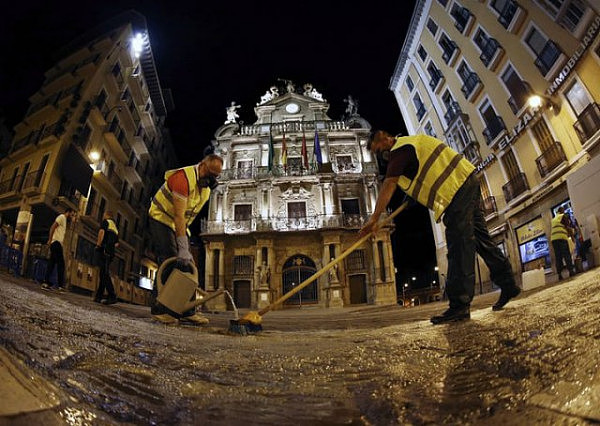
92,139
281,213
466,74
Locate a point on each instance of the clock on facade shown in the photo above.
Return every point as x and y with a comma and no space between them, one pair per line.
292,108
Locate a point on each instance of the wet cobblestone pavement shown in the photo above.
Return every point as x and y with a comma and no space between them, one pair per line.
536,362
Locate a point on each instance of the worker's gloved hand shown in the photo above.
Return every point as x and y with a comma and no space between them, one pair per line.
185,259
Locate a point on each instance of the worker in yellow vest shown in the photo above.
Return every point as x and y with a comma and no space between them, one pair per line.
561,231
173,209
439,178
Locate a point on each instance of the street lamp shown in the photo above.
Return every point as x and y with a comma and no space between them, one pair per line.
535,101
404,293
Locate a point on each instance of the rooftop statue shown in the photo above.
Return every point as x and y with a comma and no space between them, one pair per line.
311,92
352,107
272,93
232,115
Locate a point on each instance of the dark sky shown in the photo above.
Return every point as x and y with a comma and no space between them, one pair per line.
210,53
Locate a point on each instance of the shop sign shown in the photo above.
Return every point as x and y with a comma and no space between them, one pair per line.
485,162
588,38
530,230
517,130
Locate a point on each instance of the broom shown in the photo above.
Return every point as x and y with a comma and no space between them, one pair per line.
251,322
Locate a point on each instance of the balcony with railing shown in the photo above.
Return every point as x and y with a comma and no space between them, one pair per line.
515,187
471,152
449,50
550,159
494,128
292,127
8,188
470,84
588,122
452,113
116,138
436,78
488,205
462,18
284,224
264,172
32,184
91,213
508,12
547,57
489,51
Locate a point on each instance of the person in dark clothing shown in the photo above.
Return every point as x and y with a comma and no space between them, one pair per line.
107,241
57,259
439,178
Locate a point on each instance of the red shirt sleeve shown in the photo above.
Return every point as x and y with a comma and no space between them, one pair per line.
178,183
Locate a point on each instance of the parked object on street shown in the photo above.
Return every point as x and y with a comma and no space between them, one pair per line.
251,322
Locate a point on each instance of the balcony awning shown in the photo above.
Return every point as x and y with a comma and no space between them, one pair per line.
76,169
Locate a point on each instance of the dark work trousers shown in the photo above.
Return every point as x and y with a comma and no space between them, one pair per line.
103,261
166,246
562,254
466,233
56,259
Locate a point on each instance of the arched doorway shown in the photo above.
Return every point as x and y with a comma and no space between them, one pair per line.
295,270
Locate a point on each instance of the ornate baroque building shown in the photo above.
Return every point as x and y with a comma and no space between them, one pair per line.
93,139
295,189
513,86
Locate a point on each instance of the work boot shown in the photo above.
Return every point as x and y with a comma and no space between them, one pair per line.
452,315
46,286
196,319
505,296
165,319
109,301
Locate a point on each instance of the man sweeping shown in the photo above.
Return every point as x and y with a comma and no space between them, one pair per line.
439,178
173,209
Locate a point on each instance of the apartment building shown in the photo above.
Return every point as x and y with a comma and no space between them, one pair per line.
295,189
93,139
513,86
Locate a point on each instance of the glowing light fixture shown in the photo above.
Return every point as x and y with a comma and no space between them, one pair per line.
535,101
137,44
94,155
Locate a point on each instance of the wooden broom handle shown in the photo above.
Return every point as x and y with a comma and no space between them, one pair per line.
327,267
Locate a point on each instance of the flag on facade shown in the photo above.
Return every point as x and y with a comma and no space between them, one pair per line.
317,152
284,152
270,150
304,150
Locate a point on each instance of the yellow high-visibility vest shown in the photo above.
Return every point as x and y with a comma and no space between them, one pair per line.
112,226
559,231
161,208
442,172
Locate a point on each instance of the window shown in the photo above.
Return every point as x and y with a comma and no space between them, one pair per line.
422,53
419,107
577,97
116,69
506,9
546,51
85,251
90,202
568,13
448,47
242,212
296,210
461,16
429,129
435,75
443,2
244,169
101,209
410,84
124,230
13,180
126,96
41,170
356,261
118,220
242,265
469,78
517,89
493,124
432,26
23,176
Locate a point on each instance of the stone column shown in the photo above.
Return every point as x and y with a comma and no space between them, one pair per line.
332,284
209,269
376,262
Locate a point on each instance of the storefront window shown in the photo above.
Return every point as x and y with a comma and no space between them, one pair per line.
534,247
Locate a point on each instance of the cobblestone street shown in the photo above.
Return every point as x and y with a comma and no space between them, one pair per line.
536,362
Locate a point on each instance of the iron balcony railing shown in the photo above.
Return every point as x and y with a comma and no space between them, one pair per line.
461,17
292,127
33,181
436,77
284,224
8,185
449,50
488,51
507,13
265,172
495,126
452,112
37,136
471,152
550,159
588,122
547,57
488,205
470,84
515,187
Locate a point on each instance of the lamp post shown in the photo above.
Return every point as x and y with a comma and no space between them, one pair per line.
404,293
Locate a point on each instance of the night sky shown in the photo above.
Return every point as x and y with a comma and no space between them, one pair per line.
212,53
